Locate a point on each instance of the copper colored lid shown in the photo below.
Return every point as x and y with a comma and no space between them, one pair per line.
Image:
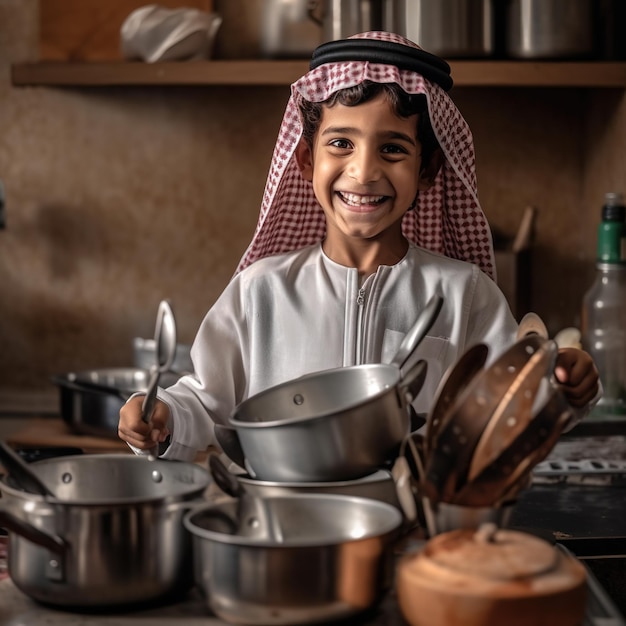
492,553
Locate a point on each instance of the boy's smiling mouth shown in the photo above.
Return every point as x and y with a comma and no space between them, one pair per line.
360,201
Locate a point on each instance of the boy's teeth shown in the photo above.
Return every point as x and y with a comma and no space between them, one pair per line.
357,200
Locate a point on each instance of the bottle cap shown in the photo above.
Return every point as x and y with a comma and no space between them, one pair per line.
613,209
612,230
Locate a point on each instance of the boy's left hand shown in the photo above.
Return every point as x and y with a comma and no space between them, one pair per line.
578,376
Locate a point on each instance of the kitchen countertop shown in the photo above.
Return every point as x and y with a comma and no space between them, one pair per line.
17,609
54,432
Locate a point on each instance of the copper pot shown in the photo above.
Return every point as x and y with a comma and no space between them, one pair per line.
491,577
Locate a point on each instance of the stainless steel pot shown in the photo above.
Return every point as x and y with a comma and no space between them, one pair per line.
90,400
337,424
343,18
448,28
112,536
334,559
254,29
379,486
537,29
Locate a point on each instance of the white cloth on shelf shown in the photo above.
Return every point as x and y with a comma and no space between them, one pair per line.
154,33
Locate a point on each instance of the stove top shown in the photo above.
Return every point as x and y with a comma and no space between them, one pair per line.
583,472
578,499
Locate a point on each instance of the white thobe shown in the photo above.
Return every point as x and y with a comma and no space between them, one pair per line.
300,312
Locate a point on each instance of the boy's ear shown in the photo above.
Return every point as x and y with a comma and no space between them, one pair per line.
304,159
429,173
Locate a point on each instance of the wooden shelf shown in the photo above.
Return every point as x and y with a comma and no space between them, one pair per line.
465,73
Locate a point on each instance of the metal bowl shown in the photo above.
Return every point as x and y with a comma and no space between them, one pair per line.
334,559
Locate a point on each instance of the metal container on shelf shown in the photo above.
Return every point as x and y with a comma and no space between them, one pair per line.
448,28
550,29
343,18
253,29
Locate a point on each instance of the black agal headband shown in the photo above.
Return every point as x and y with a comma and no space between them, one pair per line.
430,66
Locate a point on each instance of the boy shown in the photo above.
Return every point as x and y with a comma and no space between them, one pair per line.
370,208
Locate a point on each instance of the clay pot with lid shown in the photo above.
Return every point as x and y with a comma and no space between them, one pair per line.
491,577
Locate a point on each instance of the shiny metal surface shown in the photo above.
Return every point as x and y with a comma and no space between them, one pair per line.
253,29
254,517
339,424
144,355
336,425
165,341
538,29
343,18
443,517
112,536
91,399
448,28
379,486
335,560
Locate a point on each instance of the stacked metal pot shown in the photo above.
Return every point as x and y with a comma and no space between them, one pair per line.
316,513
110,535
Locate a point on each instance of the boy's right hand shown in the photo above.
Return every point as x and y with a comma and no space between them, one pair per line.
133,430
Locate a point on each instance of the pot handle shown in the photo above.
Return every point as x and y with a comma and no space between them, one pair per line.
13,523
84,386
412,382
418,331
228,439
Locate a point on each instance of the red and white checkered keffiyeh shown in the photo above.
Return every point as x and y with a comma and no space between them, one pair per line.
447,218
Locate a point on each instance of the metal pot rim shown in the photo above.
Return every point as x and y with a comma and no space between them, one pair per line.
237,423
393,523
379,476
186,493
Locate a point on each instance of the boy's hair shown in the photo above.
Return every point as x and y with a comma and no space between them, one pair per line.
403,104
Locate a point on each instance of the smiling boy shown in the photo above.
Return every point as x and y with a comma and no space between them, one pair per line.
370,209
362,164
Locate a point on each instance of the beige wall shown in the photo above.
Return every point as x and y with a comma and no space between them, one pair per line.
118,197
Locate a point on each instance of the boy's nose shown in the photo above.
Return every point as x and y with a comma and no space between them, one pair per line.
364,167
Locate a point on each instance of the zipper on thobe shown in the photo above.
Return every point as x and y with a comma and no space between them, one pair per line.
355,342
355,302
360,333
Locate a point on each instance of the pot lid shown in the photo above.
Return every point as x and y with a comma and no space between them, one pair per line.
491,553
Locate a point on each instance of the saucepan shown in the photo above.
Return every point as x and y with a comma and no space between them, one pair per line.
338,424
110,536
90,400
333,560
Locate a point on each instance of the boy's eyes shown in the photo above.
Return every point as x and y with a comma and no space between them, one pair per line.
390,148
393,148
340,143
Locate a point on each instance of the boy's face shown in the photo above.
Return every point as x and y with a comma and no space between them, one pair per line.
364,166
